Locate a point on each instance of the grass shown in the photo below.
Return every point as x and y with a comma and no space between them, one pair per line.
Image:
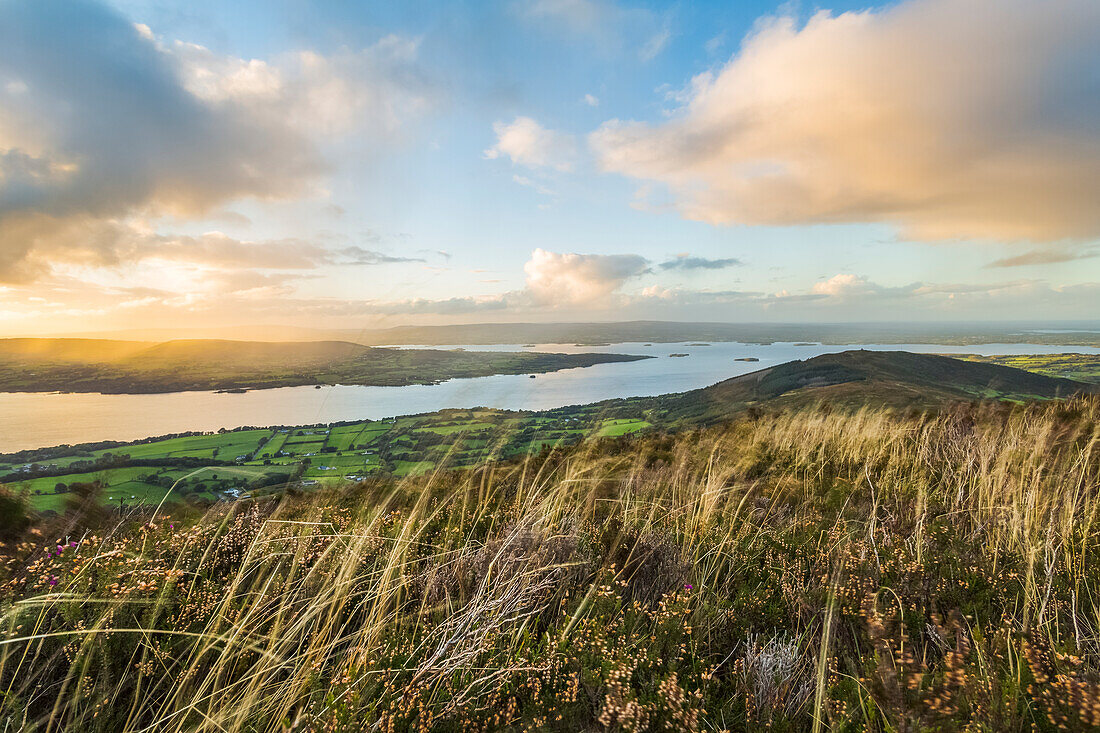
399,446
1082,367
805,569
622,426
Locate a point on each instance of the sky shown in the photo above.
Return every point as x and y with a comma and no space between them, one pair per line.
339,164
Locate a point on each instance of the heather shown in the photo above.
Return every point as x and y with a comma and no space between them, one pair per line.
805,569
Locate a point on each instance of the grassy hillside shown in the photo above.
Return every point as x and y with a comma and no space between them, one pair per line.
857,378
800,570
118,367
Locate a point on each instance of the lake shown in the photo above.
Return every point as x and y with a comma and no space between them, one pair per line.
33,420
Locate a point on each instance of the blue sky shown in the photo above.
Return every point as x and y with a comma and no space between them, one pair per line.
356,164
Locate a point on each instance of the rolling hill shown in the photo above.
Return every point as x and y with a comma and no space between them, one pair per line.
858,378
130,367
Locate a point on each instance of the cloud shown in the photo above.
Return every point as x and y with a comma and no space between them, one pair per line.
652,48
359,256
538,187
591,100
1044,257
950,120
608,26
580,16
525,142
685,262
569,279
111,123
845,286
87,242
373,91
682,297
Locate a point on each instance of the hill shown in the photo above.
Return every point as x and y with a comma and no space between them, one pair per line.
131,367
858,378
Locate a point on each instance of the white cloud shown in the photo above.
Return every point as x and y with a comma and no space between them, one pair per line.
591,100
560,279
525,142
844,286
374,90
535,185
654,45
949,119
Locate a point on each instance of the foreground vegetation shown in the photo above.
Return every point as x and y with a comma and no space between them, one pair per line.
807,568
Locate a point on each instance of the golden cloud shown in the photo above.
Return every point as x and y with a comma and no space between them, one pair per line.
951,119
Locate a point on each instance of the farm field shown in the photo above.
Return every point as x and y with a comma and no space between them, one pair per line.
224,465
1081,367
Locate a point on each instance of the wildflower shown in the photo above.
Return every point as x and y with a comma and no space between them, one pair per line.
687,586
53,580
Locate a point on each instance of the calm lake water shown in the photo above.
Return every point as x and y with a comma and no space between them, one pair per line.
32,420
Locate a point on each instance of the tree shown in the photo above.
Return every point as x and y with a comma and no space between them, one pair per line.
14,518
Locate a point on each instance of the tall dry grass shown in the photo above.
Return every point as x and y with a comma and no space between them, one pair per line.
803,570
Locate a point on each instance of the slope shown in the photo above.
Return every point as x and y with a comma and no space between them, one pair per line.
857,378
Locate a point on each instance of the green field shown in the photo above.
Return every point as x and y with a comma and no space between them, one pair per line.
615,428
125,484
1081,367
246,460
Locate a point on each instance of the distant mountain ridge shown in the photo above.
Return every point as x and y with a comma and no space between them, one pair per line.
1063,332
